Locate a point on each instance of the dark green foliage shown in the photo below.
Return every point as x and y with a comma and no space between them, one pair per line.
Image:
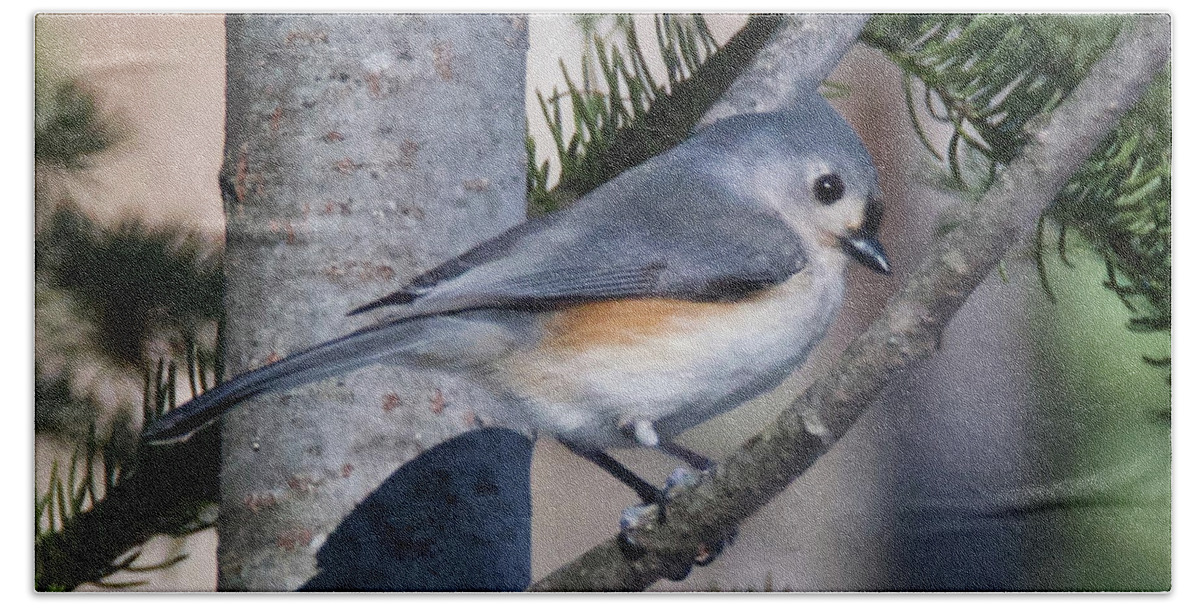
58,410
69,128
132,279
635,117
134,282
114,495
988,76
1120,200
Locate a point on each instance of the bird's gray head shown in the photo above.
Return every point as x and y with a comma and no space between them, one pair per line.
808,165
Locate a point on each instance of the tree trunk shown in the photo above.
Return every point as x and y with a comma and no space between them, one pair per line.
360,150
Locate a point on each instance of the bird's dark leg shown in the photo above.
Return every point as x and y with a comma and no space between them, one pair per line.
692,459
655,499
652,497
647,492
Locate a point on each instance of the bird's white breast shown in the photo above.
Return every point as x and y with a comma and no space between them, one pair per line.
601,365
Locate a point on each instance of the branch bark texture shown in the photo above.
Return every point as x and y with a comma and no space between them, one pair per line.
906,332
777,77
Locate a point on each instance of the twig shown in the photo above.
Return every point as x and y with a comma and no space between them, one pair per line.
906,332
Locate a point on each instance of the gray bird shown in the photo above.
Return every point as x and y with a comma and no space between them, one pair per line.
678,290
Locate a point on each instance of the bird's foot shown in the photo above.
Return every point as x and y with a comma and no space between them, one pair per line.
679,481
637,519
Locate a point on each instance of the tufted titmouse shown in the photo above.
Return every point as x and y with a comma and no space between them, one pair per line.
674,292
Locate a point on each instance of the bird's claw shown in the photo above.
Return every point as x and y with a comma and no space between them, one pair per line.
644,517
679,481
637,517
648,515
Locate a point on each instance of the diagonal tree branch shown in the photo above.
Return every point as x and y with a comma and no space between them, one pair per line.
906,332
775,79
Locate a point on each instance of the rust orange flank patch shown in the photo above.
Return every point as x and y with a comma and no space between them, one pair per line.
623,321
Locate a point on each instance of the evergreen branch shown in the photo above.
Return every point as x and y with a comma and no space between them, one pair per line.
69,130
991,74
132,279
905,333
1120,201
612,133
82,532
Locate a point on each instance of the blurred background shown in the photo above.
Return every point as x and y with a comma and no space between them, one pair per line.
1031,452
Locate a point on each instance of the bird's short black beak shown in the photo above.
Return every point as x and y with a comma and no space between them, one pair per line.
866,250
862,245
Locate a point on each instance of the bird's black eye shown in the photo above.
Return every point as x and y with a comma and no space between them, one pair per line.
829,188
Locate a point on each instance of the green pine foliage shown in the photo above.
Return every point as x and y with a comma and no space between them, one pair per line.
68,129
104,292
132,280
603,130
1120,201
113,494
988,76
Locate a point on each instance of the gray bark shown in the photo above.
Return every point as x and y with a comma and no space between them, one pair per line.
360,150
799,55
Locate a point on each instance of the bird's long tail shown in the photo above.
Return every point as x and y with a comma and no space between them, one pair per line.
337,356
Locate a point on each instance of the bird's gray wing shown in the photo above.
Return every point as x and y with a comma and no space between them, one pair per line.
640,237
